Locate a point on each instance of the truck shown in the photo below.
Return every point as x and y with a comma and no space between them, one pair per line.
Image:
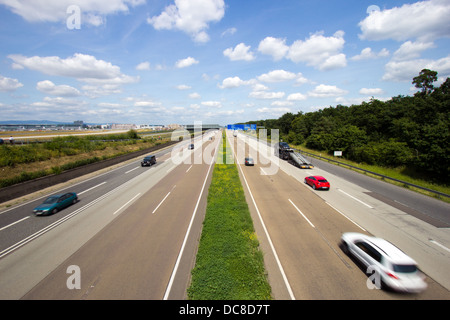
295,158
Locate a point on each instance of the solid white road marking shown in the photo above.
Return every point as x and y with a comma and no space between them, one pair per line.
91,188
9,225
346,216
161,202
355,198
280,267
301,213
126,203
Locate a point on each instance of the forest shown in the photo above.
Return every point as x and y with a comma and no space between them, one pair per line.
407,132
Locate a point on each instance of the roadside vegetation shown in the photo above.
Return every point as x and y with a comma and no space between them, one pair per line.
229,263
19,163
406,136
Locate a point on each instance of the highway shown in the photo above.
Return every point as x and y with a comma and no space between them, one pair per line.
300,230
134,232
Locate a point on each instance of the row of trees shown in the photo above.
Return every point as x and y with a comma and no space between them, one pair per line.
405,131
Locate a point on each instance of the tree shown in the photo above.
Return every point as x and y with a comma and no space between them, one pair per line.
425,80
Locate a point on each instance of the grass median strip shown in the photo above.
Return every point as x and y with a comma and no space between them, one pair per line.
230,264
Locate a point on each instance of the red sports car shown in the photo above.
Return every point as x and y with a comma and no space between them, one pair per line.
317,182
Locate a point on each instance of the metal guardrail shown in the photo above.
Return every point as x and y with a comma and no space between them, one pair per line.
376,174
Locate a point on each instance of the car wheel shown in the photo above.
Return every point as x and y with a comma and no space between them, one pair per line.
314,186
74,201
344,246
54,210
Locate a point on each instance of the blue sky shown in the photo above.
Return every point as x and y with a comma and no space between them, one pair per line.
215,61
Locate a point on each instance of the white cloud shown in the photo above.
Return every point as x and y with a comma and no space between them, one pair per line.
407,70
266,95
240,52
319,51
94,91
190,16
371,91
183,87
277,76
296,97
183,63
56,10
229,31
143,66
80,66
277,112
194,95
367,53
411,50
274,47
282,103
424,20
213,104
49,87
9,84
233,82
324,91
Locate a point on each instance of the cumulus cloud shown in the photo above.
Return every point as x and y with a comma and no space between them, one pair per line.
319,51
275,112
143,66
240,52
423,20
367,53
80,66
233,82
371,91
277,76
266,95
213,104
9,84
190,16
56,10
408,69
274,47
296,97
183,63
324,91
49,87
411,50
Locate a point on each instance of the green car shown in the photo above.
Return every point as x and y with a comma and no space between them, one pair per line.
55,203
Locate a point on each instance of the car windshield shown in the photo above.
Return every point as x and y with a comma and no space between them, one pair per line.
51,200
404,268
323,180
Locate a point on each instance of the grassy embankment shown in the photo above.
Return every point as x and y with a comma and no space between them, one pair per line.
229,264
20,163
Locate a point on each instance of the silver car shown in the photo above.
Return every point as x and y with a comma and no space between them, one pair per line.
391,267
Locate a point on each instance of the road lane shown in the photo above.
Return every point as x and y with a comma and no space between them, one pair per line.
315,265
133,256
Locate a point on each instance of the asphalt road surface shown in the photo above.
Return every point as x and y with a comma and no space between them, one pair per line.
300,229
133,234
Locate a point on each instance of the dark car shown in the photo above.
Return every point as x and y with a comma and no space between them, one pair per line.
55,203
317,182
148,161
191,146
249,162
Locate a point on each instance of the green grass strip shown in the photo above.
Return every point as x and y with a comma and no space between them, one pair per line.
230,264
